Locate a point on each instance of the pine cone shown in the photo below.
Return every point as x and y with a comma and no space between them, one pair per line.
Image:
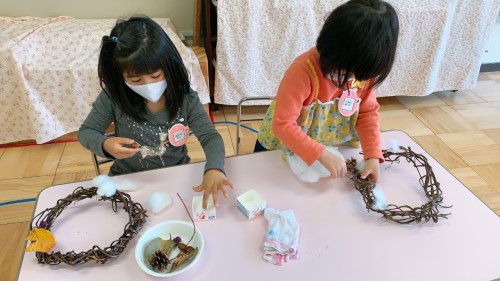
159,261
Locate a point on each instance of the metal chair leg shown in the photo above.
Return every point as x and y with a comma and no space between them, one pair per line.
239,120
96,164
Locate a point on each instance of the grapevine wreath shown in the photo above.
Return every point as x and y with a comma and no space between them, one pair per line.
403,214
42,240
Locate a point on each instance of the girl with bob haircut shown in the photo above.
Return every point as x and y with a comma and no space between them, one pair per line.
146,93
327,98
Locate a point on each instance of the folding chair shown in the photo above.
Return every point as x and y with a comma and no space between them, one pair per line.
239,120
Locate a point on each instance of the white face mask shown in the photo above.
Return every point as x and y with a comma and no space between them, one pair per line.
152,92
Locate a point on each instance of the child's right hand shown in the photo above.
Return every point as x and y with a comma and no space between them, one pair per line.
334,164
120,148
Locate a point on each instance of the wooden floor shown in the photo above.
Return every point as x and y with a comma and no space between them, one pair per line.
460,129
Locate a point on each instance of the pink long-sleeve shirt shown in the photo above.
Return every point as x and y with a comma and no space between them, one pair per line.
297,90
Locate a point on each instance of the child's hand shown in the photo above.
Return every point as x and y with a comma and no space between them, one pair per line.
213,182
371,168
119,147
334,164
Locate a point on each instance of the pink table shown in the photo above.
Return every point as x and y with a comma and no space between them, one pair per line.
339,239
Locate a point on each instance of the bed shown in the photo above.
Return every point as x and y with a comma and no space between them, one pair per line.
440,47
48,73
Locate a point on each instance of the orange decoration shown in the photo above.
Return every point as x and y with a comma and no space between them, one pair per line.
41,241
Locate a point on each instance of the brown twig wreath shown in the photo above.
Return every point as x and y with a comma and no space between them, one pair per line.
403,214
46,218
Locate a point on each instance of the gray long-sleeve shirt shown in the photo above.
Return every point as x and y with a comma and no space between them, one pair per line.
149,133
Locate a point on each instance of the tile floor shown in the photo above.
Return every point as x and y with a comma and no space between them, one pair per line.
460,129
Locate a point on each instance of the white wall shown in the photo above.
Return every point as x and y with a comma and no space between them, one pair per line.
179,11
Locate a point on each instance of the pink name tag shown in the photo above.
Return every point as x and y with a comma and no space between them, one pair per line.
178,135
349,102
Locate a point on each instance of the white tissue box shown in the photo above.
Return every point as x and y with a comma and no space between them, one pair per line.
201,214
251,203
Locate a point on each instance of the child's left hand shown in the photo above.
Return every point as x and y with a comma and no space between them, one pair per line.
371,167
213,181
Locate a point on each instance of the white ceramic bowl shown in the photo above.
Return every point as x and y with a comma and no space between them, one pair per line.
163,230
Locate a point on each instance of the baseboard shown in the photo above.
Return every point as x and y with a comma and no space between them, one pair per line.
490,67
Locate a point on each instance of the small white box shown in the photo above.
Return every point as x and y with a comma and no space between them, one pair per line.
251,203
201,214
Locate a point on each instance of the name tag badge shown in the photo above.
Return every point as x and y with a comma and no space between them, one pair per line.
349,102
178,135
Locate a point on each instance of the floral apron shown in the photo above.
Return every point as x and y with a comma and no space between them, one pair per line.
323,122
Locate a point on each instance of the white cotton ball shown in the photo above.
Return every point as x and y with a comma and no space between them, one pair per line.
323,172
127,185
314,172
379,195
297,165
301,170
309,176
97,181
107,188
394,146
159,201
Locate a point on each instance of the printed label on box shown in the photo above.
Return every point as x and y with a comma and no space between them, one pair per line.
201,214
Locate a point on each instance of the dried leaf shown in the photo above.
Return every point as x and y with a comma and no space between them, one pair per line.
41,241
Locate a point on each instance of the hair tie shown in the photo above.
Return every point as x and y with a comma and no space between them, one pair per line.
114,39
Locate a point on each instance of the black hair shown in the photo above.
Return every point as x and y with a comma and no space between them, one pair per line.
139,46
359,38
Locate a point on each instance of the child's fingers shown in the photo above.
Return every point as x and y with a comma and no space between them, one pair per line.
366,174
223,189
334,174
206,194
133,151
130,151
229,183
337,173
343,171
124,152
215,196
121,141
198,188
127,141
